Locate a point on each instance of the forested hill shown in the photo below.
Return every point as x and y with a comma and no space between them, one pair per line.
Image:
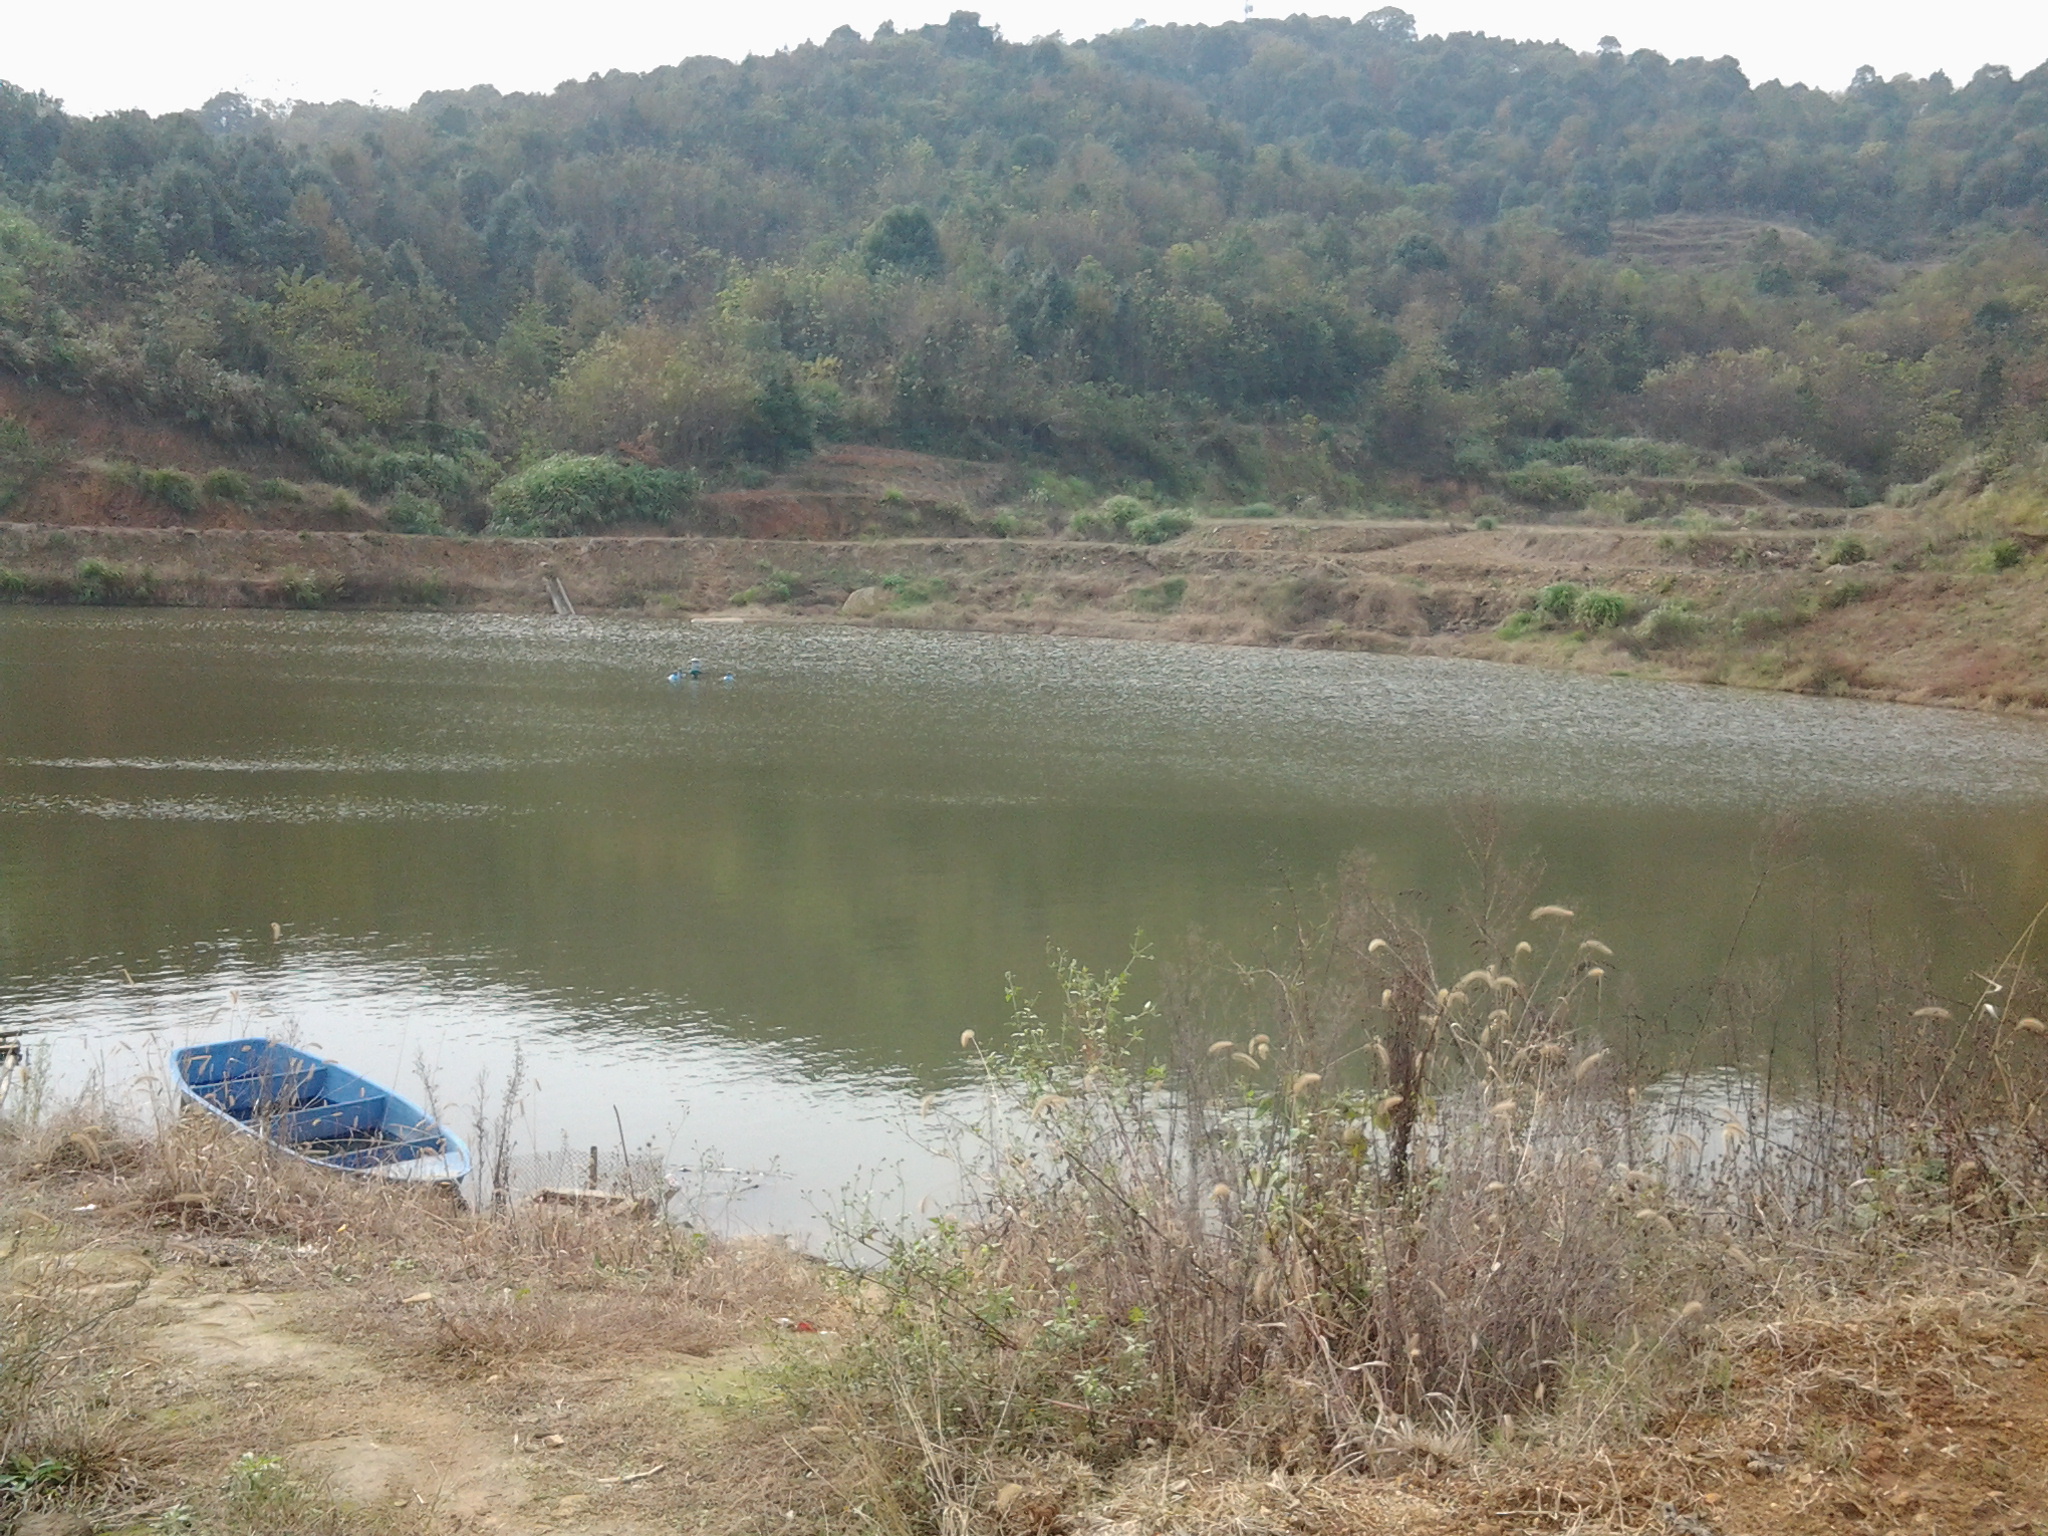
1273,257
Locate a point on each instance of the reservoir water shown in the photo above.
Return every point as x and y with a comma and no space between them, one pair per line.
748,920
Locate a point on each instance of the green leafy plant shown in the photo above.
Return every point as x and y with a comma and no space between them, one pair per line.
101,581
1670,624
173,487
1160,596
305,589
1599,609
226,485
1123,510
570,492
2007,553
410,513
1560,600
776,587
1847,550
1158,527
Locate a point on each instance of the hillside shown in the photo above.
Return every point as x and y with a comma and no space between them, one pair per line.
1272,260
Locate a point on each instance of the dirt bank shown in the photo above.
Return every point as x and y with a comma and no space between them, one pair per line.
200,1340
1749,608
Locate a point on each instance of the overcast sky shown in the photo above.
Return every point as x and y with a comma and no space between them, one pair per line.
99,55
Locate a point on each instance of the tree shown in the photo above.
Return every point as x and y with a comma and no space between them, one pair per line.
904,238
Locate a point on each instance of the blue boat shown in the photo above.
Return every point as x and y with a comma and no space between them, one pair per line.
317,1111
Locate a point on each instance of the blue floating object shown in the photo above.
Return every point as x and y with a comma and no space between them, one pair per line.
727,678
675,677
317,1111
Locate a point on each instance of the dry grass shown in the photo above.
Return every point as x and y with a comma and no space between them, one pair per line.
121,1399
1338,1213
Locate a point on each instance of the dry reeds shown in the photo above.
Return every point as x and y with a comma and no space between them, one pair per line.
1405,1212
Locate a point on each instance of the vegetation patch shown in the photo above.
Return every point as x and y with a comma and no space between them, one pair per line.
103,582
572,493
1161,596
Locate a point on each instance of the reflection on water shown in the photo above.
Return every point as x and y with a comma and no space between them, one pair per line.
756,916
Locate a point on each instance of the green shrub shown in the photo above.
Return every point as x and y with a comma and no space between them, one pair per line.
914,591
1544,484
100,581
1672,623
1847,550
1123,510
2007,553
1055,490
304,589
1486,524
278,490
1091,525
173,487
1624,455
1519,623
409,513
1601,610
1160,597
1560,601
226,485
775,587
1158,527
12,584
571,492
1257,509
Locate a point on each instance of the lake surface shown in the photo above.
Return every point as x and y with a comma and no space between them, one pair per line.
755,916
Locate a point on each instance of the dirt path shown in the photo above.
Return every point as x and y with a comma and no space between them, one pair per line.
374,1437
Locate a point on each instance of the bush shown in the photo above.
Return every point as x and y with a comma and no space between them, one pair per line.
13,584
1847,550
409,513
775,587
304,589
173,487
1257,509
2007,553
571,492
100,581
1160,597
226,485
1544,484
1091,525
1559,600
1672,623
278,490
1520,623
1601,610
1158,527
1123,510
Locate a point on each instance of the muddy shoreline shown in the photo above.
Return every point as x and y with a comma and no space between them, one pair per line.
1769,614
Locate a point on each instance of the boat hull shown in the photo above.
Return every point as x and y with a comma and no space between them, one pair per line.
317,1111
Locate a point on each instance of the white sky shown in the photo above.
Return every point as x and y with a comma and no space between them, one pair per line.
99,55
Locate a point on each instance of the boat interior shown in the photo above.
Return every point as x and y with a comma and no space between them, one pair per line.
319,1110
